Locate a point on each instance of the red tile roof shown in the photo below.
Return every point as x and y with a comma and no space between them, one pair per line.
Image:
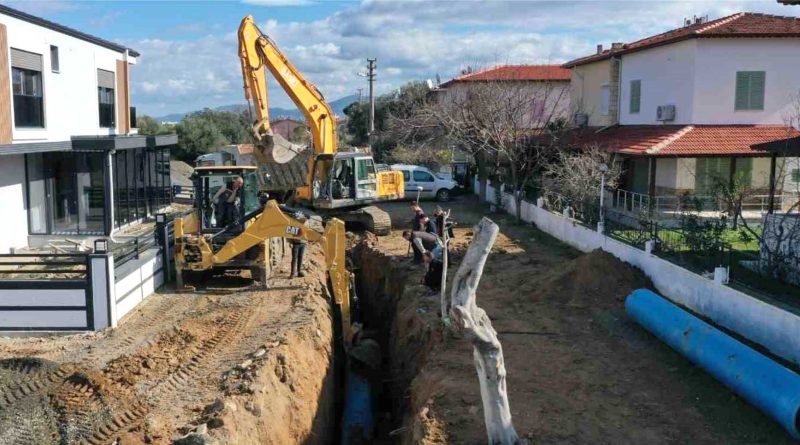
691,140
743,24
514,72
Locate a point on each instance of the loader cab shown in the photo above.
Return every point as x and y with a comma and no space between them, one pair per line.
344,179
218,206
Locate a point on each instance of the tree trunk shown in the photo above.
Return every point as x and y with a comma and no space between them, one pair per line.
476,326
483,177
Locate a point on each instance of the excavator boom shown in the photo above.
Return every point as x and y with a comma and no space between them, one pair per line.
256,52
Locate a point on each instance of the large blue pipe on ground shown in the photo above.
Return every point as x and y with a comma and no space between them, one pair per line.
772,388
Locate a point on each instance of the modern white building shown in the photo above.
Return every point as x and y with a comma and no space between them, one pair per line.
699,104
71,163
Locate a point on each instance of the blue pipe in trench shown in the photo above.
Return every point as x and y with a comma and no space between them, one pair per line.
771,387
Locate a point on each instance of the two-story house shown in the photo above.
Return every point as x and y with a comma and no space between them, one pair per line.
695,105
71,162
546,86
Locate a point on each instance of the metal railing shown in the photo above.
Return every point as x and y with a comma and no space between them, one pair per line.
183,193
671,204
43,266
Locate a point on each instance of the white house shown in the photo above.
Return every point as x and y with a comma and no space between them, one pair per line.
695,105
71,162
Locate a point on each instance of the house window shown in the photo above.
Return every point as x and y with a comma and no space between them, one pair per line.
636,96
796,175
28,100
605,100
750,90
105,94
54,65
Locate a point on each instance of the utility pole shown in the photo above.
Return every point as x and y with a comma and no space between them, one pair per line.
371,78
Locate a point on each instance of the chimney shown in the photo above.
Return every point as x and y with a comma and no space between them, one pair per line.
616,45
599,48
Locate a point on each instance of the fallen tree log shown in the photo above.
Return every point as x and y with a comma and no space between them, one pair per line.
473,323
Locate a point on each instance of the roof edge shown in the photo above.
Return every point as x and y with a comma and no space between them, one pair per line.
66,30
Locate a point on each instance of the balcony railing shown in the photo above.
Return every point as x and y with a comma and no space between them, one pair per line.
675,204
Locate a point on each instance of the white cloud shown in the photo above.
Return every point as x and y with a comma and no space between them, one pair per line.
412,41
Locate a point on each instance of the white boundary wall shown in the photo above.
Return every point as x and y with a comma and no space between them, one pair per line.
134,285
767,324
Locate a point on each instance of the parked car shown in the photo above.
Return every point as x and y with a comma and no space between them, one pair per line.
433,186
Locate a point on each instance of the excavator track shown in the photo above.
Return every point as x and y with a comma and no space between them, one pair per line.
370,218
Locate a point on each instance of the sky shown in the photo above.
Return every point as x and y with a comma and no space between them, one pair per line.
189,50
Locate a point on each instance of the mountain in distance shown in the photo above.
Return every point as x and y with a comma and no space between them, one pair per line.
338,107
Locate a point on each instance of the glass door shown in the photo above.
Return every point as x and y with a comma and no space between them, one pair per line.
64,200
366,180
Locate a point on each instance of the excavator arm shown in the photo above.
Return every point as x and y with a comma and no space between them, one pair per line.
256,52
272,222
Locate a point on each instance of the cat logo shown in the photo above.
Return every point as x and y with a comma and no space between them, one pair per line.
293,230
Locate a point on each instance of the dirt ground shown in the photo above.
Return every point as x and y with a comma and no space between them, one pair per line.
579,370
230,363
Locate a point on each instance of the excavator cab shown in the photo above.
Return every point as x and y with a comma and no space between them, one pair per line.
221,205
344,180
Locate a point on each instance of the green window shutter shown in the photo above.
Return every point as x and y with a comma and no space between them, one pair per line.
750,87
742,90
636,96
757,84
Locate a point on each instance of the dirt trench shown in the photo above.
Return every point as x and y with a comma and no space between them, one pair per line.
228,365
579,370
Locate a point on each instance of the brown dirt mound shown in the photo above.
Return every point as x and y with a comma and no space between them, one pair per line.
596,278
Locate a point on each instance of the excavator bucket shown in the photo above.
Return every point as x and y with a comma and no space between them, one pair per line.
274,148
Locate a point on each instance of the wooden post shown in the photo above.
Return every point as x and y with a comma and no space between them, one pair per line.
475,325
772,166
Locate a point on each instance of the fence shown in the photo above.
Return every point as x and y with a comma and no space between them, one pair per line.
84,291
51,292
675,204
759,320
183,194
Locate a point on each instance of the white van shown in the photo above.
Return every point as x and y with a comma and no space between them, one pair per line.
433,186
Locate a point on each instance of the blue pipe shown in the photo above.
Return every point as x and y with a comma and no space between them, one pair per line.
358,421
761,381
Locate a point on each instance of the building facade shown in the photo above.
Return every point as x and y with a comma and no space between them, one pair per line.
71,162
708,102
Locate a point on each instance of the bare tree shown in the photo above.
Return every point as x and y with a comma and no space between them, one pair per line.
577,174
513,126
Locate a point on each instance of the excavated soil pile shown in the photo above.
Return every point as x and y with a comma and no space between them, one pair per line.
595,279
579,371
236,367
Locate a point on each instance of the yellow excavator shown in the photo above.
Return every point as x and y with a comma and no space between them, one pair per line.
332,183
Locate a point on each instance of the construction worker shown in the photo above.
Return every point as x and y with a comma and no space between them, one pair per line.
298,250
421,242
227,201
433,276
438,215
427,225
418,214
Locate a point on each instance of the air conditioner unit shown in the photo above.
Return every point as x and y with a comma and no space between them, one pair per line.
581,119
665,113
